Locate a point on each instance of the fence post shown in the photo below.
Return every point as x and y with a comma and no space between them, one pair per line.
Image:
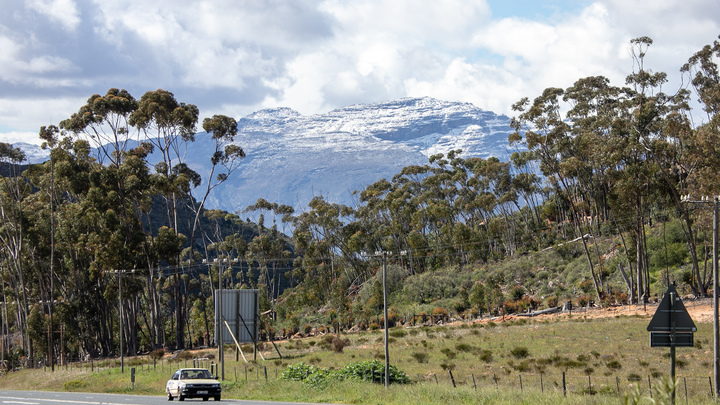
685,383
711,387
520,377
617,384
452,378
650,386
589,385
564,386
542,386
496,381
265,367
475,385
436,380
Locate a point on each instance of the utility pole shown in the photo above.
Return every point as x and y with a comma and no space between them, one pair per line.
119,274
715,201
385,312
221,353
384,256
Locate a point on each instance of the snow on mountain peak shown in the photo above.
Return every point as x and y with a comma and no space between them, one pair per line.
292,158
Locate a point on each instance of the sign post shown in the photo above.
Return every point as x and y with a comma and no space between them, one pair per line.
671,326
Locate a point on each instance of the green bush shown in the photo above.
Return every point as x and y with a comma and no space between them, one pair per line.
364,371
398,333
614,365
520,352
463,347
74,385
449,353
486,356
297,372
420,357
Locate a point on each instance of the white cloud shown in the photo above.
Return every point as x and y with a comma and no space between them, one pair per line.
237,56
17,67
17,113
63,12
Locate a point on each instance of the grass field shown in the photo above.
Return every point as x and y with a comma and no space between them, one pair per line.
522,361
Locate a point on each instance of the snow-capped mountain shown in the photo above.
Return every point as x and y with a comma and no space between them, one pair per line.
33,153
291,157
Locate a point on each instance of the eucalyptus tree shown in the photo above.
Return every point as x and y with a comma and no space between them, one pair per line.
700,147
14,190
323,246
169,126
548,135
104,121
225,159
645,149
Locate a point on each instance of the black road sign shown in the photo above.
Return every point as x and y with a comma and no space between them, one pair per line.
663,339
667,310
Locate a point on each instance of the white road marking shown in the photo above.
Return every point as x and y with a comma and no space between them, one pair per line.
20,402
63,401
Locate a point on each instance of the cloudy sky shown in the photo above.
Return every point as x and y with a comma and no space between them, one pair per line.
234,57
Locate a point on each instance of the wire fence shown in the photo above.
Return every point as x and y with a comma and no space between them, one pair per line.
688,387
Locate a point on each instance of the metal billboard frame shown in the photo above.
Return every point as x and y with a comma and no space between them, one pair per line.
240,309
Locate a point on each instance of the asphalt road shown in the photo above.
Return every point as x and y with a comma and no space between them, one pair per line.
65,398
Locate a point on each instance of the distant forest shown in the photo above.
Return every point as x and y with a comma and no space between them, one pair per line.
588,209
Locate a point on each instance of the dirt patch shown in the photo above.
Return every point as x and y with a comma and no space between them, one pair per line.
700,311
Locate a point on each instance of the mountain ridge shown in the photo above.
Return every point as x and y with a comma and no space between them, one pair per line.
292,158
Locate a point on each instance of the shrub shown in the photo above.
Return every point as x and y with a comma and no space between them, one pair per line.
185,355
614,365
440,312
486,356
307,329
73,385
517,293
449,353
510,307
398,333
339,344
523,367
520,352
420,357
633,377
463,347
156,354
297,372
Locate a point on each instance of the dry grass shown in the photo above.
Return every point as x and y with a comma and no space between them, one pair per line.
598,355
